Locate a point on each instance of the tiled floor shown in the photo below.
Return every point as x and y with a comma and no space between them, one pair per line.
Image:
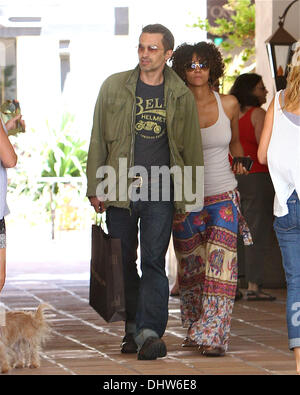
82,343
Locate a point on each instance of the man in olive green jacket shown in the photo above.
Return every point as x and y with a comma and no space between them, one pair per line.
145,119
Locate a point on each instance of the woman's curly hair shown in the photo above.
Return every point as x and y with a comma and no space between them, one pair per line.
206,52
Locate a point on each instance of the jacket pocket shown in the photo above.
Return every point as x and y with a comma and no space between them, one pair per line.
115,117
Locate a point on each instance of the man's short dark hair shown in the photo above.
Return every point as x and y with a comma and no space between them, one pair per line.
168,38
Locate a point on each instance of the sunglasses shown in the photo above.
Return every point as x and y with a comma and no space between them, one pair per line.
151,48
193,65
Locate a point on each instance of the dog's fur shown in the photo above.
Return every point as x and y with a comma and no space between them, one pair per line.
22,337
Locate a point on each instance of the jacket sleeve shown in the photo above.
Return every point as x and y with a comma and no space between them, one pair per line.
97,154
192,152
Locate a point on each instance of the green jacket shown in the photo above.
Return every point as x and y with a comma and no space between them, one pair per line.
113,132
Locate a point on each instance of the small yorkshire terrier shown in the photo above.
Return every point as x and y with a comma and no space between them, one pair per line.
21,338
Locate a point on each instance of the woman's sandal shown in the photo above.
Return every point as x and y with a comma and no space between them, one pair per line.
188,342
259,296
210,351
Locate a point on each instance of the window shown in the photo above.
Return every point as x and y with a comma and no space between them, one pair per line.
121,21
8,85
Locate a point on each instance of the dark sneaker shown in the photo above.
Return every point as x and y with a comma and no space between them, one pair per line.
128,345
153,348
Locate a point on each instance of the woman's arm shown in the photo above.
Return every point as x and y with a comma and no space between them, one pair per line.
8,156
266,135
232,109
2,269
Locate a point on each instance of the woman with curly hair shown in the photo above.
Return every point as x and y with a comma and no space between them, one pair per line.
205,242
279,147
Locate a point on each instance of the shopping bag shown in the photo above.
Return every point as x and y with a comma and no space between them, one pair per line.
106,276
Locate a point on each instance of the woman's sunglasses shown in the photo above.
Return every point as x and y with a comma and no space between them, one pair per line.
193,65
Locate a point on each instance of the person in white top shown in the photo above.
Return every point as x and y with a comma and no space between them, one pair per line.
8,158
280,148
205,242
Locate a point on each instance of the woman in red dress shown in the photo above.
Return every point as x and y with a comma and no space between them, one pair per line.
257,192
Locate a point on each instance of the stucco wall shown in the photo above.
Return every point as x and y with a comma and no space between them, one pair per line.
95,53
267,17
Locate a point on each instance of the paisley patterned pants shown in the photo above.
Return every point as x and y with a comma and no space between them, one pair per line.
205,244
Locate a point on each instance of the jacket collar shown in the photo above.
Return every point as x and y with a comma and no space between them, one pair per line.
172,81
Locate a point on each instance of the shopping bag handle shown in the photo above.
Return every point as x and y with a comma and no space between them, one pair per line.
100,220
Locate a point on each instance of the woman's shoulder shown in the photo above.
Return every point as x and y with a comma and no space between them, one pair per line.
258,117
230,105
229,100
258,112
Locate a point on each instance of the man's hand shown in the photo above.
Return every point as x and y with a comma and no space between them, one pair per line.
97,204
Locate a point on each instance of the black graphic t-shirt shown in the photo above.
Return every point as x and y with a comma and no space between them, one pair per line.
151,139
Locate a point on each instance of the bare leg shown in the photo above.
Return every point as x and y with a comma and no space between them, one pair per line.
297,357
2,267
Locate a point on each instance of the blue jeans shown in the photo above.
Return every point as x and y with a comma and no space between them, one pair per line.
146,298
287,230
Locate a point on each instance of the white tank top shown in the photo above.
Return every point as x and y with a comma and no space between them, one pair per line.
284,158
218,176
